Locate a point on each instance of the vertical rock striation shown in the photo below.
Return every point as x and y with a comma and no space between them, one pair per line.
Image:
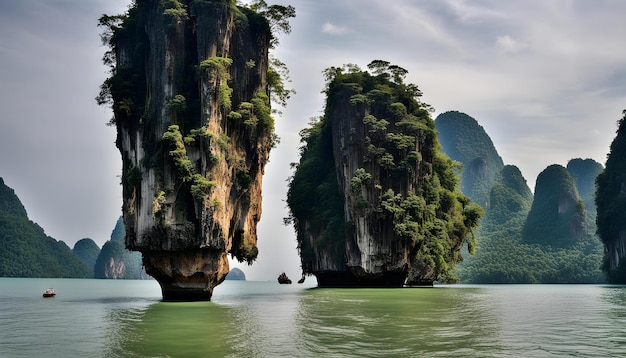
190,101
372,200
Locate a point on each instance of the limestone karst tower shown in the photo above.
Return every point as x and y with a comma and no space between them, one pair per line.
190,95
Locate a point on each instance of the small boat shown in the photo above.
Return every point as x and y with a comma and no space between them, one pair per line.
49,293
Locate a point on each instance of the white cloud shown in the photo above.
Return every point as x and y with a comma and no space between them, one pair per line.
332,29
509,45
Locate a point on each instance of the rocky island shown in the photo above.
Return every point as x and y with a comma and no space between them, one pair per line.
373,200
610,200
189,87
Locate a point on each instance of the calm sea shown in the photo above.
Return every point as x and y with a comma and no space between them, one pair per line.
115,318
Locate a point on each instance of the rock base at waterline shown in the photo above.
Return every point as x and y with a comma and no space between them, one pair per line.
349,279
187,275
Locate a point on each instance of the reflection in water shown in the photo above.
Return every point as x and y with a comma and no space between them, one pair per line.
267,320
614,312
257,321
396,322
556,320
167,329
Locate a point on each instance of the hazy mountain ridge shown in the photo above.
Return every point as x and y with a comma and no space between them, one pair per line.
466,141
25,249
547,237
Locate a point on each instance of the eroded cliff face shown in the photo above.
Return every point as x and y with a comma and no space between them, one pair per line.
374,255
610,201
191,107
372,200
616,253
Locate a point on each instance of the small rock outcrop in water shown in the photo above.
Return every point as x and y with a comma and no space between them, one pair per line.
283,279
190,95
372,200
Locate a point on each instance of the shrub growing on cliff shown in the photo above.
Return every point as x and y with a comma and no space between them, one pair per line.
217,66
401,181
179,153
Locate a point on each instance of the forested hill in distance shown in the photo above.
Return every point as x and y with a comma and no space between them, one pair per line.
465,141
25,249
545,238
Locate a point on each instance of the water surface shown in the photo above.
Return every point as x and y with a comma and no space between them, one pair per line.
115,318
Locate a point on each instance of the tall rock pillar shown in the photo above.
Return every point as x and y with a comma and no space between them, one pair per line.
190,100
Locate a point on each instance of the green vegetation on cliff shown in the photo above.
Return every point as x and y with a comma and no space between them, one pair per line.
502,254
25,249
115,261
314,196
87,251
466,141
551,243
557,216
391,175
585,172
611,207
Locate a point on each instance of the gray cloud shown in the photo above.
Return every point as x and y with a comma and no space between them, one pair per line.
545,79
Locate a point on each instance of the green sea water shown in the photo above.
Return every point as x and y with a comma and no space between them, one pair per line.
115,318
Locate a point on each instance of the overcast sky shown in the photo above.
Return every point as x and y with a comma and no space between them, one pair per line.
546,79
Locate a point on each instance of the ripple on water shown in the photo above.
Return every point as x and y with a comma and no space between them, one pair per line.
264,319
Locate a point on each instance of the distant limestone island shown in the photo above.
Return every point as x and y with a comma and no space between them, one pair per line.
236,274
113,261
548,237
26,250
